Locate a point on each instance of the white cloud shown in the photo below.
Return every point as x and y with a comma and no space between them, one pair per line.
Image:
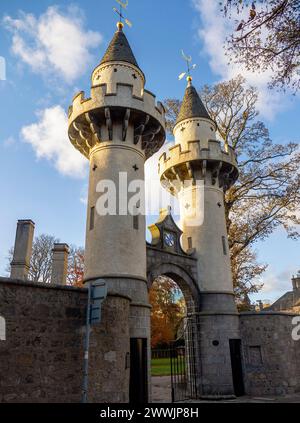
280,282
83,200
213,32
48,137
53,43
84,194
275,284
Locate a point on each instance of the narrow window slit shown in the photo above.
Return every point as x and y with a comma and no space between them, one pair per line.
92,218
224,245
136,221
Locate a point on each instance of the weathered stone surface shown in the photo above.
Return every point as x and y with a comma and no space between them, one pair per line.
274,367
60,255
42,357
109,378
216,373
22,249
181,268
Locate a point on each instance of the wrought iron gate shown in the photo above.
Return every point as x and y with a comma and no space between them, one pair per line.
185,362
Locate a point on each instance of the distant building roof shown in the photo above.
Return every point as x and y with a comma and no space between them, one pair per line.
288,302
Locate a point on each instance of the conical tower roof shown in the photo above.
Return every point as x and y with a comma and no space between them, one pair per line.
192,106
119,50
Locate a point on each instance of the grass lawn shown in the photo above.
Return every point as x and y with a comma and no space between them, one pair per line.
161,367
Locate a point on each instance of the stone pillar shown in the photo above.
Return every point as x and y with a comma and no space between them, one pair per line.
60,254
22,251
296,281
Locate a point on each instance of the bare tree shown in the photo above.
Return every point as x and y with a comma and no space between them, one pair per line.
269,38
41,261
41,258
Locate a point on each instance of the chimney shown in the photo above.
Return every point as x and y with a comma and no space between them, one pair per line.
59,264
22,251
296,281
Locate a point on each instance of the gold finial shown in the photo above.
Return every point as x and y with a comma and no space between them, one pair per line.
188,60
189,81
120,24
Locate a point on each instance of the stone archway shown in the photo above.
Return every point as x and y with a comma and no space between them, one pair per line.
184,351
182,278
165,257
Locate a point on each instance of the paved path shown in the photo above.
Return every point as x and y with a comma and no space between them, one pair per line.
161,393
161,388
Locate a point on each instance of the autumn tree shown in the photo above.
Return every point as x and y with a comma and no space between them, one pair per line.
75,266
267,193
267,37
41,261
167,310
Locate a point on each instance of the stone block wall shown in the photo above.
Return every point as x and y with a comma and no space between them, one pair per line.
216,371
181,268
41,360
109,365
271,357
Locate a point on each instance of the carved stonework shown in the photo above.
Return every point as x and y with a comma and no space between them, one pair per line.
165,233
125,124
87,117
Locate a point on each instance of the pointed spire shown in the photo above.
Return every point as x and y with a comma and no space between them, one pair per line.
192,106
119,49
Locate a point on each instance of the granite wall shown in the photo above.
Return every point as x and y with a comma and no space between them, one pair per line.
271,356
41,359
41,352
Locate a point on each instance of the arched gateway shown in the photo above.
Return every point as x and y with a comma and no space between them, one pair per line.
165,257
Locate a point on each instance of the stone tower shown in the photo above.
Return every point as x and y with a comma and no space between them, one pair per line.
198,171
117,129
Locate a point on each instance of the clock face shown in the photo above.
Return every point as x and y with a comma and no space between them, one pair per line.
169,239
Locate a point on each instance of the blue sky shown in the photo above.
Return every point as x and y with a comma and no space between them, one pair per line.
41,177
